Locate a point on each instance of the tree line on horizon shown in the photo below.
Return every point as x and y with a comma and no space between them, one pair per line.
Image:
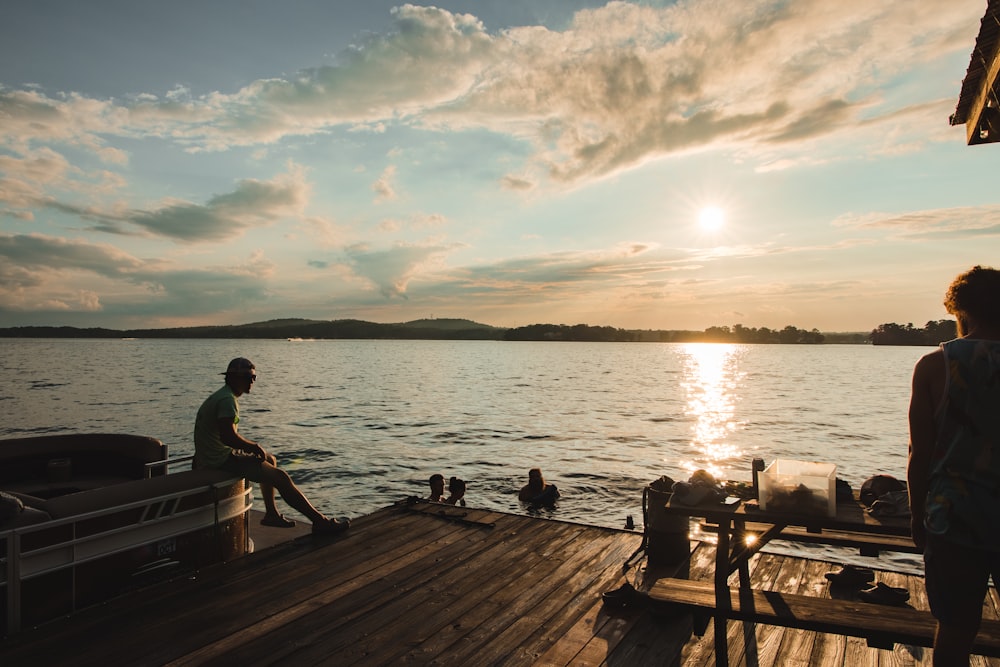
933,333
718,334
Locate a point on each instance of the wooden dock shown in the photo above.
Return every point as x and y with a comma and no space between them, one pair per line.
430,584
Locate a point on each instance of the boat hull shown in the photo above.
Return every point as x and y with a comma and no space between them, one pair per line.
82,539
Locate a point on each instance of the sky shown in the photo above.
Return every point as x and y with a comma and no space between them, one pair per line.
641,165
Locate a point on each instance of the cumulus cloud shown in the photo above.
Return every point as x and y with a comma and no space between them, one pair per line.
391,270
43,273
383,187
252,204
623,84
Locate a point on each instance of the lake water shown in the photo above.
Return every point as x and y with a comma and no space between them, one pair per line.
360,424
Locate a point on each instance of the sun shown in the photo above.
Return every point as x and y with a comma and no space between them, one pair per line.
711,218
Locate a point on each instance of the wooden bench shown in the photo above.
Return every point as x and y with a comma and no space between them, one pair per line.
867,544
881,625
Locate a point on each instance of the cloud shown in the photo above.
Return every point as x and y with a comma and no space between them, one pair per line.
510,182
43,273
252,204
623,84
392,270
959,222
383,187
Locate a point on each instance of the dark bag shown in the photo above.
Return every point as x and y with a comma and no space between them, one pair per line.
877,486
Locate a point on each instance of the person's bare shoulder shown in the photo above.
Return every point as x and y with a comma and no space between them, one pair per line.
929,379
930,366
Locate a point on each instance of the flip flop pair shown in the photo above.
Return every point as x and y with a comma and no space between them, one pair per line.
882,593
851,576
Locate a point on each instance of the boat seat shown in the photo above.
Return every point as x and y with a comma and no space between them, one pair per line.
15,512
92,500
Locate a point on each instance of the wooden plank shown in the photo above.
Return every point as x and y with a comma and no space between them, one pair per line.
337,618
298,593
587,641
493,640
444,611
900,624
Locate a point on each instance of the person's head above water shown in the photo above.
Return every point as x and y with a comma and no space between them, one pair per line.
437,486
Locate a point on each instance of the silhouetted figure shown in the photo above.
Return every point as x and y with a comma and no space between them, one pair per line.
537,491
954,466
218,445
437,488
456,491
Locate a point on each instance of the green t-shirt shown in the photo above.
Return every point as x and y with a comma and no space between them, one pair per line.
209,450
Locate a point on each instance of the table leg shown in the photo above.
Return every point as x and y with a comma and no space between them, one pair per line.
745,591
722,595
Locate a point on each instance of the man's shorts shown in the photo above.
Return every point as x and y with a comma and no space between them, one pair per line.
956,578
246,466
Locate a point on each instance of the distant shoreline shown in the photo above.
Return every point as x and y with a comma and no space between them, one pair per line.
445,329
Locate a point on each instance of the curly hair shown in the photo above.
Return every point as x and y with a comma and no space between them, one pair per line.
975,294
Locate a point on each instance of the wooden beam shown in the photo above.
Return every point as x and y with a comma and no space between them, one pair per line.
987,85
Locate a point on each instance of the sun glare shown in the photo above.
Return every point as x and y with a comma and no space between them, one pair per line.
711,218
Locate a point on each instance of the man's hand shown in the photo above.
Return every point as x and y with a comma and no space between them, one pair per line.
256,450
918,531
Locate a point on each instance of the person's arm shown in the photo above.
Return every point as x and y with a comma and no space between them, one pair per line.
231,438
927,387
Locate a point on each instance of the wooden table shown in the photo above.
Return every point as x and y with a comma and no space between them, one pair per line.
733,553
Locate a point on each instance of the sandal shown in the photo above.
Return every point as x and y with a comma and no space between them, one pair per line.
851,576
278,521
884,594
331,526
622,596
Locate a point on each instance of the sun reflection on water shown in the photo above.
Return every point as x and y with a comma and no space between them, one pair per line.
711,378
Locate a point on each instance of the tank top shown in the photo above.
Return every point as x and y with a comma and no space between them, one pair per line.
963,500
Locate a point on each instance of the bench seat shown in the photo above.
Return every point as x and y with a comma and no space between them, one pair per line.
867,544
882,625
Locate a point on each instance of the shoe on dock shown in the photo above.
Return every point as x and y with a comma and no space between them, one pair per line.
851,576
331,527
884,594
623,596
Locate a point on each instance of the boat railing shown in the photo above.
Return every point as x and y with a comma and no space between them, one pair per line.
166,463
160,520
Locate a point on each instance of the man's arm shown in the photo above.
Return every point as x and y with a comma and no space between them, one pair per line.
926,392
231,438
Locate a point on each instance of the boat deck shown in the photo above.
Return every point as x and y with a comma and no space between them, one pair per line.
430,584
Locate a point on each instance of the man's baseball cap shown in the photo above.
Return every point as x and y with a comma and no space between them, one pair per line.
239,365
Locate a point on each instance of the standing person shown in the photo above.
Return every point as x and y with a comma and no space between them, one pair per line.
218,445
953,471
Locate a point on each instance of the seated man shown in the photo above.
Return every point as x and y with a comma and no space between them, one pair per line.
218,445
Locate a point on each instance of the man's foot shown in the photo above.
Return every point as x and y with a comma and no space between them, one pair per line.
276,521
331,526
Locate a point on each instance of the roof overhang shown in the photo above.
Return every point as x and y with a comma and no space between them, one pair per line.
979,102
